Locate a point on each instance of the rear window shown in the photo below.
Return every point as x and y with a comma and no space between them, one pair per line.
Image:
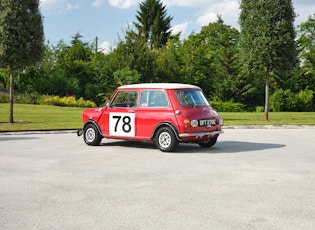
191,98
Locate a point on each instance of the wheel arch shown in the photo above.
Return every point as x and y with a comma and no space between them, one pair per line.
96,125
165,124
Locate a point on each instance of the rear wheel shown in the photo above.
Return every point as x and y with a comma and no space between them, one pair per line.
91,135
166,140
209,142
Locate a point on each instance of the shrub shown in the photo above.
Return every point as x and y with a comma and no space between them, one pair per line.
227,106
55,84
4,98
67,101
305,100
35,98
31,98
85,104
278,100
260,109
286,100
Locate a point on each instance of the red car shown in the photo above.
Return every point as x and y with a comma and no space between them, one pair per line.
165,113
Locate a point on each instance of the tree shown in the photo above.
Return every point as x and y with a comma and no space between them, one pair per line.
134,54
21,37
74,61
221,43
267,39
126,76
306,44
197,67
31,78
209,59
169,61
153,23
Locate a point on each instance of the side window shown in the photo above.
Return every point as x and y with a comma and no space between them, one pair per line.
125,99
153,98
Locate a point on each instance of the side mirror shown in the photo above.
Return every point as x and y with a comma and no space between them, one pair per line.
108,104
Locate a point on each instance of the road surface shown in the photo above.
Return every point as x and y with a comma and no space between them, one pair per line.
251,179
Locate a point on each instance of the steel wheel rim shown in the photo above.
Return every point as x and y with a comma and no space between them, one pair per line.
90,135
165,139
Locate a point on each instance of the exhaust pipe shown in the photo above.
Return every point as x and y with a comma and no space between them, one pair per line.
80,132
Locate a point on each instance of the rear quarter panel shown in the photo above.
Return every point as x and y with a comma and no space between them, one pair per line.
148,119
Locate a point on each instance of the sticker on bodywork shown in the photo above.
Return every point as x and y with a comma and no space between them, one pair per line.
122,124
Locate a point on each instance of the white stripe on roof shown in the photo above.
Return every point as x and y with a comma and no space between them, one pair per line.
159,86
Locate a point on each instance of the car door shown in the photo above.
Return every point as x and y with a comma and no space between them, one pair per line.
120,117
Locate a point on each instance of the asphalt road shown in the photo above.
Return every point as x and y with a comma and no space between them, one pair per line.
251,179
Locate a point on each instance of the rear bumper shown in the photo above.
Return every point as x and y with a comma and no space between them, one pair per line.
200,135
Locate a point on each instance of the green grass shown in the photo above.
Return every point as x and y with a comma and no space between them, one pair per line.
40,117
275,118
44,117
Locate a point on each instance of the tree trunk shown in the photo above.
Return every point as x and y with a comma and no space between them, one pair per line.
266,114
11,96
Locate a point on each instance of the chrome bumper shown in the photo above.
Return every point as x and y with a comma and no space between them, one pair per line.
200,134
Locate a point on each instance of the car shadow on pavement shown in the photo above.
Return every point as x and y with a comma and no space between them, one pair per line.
131,144
221,147
15,138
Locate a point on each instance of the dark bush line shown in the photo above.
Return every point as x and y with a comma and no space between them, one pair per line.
34,98
286,100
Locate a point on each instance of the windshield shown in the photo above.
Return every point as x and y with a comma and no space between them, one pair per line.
191,98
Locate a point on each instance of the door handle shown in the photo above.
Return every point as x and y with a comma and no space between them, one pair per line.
131,111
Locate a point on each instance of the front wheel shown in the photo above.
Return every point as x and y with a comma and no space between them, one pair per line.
91,135
166,140
209,142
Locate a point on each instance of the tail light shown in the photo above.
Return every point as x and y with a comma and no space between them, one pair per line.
188,123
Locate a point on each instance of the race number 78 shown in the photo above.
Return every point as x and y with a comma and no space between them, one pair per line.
122,124
126,127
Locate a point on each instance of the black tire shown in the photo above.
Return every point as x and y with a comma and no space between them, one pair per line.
91,135
208,143
166,140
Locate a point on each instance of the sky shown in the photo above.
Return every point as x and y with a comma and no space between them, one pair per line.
108,19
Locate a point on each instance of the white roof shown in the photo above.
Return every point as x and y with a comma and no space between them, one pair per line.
159,86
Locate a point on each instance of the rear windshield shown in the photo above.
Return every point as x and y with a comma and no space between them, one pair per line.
191,98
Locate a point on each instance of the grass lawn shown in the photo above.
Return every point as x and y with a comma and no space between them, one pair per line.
44,117
40,117
275,118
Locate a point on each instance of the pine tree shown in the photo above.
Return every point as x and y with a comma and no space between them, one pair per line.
21,37
267,38
153,23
